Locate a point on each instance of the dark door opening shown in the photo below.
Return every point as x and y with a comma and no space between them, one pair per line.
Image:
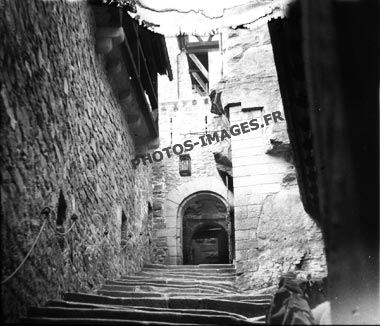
209,245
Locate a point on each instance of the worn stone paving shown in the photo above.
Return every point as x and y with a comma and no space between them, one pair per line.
161,295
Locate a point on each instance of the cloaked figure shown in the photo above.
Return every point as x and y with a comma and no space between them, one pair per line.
289,305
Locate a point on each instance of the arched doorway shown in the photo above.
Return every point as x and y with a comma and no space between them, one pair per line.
173,210
205,230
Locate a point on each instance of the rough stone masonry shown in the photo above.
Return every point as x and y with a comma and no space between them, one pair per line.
206,139
62,130
272,232
65,144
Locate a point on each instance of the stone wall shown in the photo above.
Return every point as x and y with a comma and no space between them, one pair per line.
265,185
287,239
180,121
273,233
183,115
62,130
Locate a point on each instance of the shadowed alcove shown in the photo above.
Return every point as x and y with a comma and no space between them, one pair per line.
205,230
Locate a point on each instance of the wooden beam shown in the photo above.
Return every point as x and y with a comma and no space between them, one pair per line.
196,47
199,38
199,91
134,39
200,81
151,90
136,82
199,64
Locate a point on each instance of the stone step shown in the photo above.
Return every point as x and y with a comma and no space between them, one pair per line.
250,297
128,294
94,313
227,286
161,295
156,289
201,266
141,281
212,278
216,277
101,299
267,301
258,319
186,276
100,321
147,276
184,273
62,303
162,286
191,270
248,310
125,294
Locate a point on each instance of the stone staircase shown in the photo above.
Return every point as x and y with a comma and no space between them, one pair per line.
160,295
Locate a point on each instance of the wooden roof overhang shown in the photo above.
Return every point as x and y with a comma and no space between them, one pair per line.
143,53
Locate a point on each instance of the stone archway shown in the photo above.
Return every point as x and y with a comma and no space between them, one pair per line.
176,201
204,226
